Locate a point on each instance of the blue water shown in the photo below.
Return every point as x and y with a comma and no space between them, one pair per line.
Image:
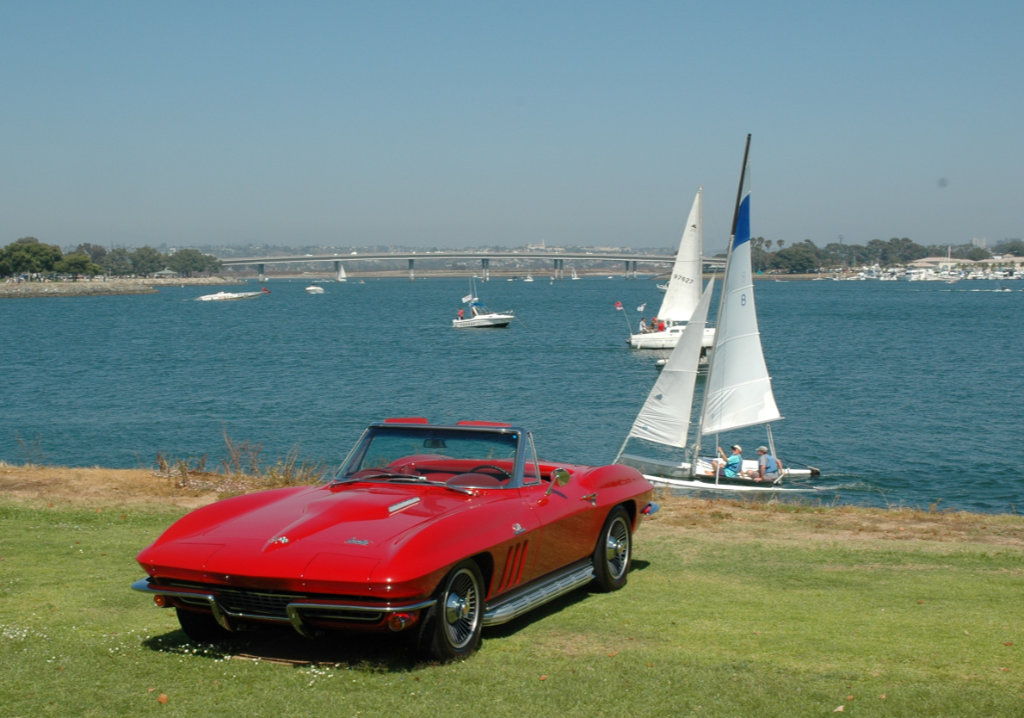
905,394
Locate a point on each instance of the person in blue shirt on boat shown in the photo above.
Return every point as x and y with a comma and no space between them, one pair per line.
731,466
769,468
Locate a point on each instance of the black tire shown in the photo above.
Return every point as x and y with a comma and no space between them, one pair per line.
453,626
614,551
201,627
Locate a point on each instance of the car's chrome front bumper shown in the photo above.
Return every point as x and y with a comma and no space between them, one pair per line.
229,605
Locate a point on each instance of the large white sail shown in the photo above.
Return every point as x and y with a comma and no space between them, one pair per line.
665,416
738,390
683,291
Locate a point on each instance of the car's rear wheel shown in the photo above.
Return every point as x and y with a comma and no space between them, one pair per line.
201,627
453,627
614,551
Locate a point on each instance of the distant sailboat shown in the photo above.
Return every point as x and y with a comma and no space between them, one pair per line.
683,291
737,391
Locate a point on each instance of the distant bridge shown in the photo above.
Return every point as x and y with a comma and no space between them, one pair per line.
339,261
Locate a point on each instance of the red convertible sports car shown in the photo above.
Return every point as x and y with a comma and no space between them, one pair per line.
440,530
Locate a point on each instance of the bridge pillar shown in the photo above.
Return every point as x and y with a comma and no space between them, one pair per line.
485,266
259,272
558,268
412,274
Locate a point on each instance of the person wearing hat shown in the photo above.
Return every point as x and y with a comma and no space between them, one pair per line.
731,466
769,468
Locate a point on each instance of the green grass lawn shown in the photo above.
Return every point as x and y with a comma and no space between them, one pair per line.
755,612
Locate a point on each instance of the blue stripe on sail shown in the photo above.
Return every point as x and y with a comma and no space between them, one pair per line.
742,222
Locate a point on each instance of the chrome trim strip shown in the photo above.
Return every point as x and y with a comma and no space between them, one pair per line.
294,611
394,508
504,610
219,614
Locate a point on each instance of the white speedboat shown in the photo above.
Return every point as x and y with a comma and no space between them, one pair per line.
483,320
314,289
229,296
682,293
479,316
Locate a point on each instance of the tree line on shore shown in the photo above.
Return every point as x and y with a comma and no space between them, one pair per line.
29,257
806,258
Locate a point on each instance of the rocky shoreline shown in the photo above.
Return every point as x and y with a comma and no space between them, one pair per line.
100,287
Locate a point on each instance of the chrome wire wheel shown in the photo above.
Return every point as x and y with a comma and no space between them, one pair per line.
614,551
452,628
617,547
462,608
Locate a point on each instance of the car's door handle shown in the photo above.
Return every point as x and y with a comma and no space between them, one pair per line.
592,498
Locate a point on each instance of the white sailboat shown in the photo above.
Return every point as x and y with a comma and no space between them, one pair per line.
479,316
683,291
737,392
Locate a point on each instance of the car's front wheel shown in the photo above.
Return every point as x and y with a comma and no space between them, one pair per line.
453,627
614,551
201,627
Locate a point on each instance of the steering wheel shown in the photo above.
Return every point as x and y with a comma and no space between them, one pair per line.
504,475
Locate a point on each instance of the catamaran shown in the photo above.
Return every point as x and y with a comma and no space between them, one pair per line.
683,291
737,391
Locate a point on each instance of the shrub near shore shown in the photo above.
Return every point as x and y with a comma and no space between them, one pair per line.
733,608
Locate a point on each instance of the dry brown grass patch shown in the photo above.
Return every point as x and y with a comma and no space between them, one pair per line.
61,485
725,518
799,522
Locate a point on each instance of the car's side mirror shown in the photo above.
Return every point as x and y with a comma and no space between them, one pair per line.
559,477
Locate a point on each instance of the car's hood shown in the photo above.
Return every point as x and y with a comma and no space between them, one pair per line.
304,533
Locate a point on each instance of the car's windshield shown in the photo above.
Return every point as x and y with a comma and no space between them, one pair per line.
435,452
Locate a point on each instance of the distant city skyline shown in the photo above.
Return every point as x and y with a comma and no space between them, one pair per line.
466,124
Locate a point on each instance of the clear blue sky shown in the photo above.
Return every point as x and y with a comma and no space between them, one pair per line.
457,124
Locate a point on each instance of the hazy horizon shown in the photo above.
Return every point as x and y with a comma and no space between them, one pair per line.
465,124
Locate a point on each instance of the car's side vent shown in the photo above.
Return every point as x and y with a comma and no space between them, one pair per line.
515,560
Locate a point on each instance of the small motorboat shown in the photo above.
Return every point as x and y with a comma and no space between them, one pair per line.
228,296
